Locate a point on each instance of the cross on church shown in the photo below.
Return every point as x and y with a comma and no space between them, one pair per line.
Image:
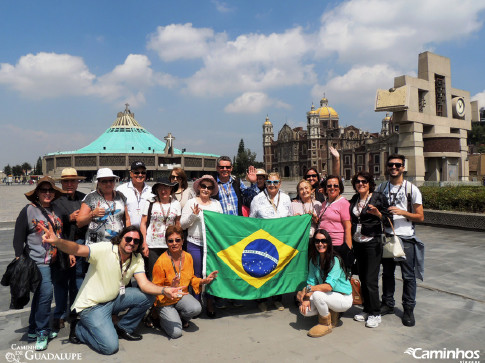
169,138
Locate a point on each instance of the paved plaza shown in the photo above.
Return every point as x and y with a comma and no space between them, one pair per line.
450,315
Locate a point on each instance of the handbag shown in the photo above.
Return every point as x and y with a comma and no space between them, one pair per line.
357,298
392,245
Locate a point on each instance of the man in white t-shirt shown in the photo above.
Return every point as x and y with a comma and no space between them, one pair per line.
406,207
136,191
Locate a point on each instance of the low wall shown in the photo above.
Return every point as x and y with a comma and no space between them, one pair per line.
474,221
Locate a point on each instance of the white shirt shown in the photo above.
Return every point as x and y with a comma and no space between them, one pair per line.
194,222
261,206
135,201
397,196
163,215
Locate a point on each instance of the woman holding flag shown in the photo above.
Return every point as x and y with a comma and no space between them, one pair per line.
271,203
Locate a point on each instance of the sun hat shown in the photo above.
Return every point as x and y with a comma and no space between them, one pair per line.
32,195
261,172
164,181
70,174
196,185
106,173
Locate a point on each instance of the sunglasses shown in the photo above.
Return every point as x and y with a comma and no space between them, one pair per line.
106,181
139,173
175,177
360,181
397,165
318,241
135,240
208,187
224,167
308,176
45,191
335,186
178,240
272,182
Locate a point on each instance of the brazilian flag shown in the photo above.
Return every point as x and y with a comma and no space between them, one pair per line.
256,258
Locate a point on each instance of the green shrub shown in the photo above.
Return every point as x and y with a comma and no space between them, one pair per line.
454,198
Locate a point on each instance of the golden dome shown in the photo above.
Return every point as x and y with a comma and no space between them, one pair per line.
326,112
267,121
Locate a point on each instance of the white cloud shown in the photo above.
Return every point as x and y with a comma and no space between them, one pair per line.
358,86
181,41
254,62
370,31
51,75
480,97
222,7
253,102
48,75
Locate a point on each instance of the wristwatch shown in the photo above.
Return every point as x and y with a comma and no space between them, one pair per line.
309,288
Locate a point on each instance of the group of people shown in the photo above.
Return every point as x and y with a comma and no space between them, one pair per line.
89,247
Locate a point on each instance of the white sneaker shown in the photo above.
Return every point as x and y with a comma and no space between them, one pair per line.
361,317
373,321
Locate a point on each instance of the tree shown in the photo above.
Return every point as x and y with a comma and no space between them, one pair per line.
38,167
244,158
17,170
7,170
26,167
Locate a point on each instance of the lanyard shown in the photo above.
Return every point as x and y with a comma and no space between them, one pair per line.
359,211
165,216
392,202
329,204
177,274
275,207
123,273
312,208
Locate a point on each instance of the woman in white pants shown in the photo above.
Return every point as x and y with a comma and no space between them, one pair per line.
328,291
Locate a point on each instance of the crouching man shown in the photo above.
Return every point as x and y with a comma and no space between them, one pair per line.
103,292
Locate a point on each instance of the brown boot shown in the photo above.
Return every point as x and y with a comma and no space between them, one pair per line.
323,327
335,318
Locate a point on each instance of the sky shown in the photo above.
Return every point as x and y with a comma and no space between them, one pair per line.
210,72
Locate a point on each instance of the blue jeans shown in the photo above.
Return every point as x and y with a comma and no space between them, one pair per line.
40,310
96,327
67,282
408,277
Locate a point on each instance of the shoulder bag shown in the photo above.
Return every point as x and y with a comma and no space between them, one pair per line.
392,245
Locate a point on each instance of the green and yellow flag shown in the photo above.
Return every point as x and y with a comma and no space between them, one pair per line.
256,258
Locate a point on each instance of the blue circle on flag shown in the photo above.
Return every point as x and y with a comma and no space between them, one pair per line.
259,258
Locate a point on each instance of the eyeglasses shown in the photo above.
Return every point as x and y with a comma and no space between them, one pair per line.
308,176
175,177
224,167
397,165
140,173
335,186
135,240
362,181
178,240
45,191
106,181
208,187
318,241
272,182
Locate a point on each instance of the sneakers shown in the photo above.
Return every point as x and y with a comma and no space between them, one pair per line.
42,341
32,337
386,309
221,303
408,317
279,305
361,317
373,321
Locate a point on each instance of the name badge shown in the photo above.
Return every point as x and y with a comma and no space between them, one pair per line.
122,289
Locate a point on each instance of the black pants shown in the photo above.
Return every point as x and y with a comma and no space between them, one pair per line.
153,256
368,255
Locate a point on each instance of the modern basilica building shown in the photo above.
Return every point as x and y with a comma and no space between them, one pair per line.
127,141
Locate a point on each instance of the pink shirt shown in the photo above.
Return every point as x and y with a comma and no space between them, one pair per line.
331,218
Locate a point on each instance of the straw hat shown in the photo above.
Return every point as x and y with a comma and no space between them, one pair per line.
70,174
106,173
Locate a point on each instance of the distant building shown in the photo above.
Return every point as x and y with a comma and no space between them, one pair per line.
124,142
432,120
296,150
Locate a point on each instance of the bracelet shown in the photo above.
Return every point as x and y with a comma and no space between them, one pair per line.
163,291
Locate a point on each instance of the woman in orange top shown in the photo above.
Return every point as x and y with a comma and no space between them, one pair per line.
175,267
